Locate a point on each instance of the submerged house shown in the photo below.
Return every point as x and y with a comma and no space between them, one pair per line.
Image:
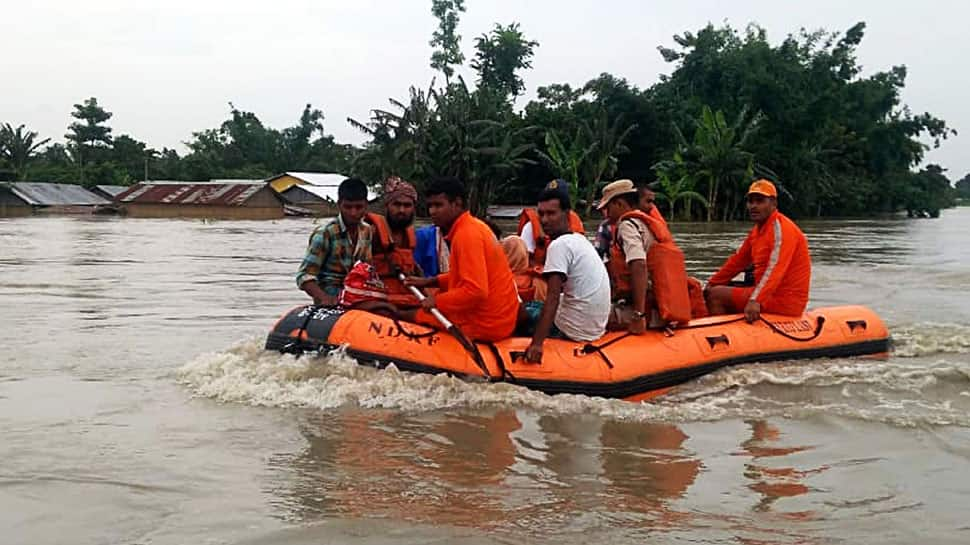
315,192
231,200
26,198
108,191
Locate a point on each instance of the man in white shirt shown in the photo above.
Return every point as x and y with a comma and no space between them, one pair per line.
577,304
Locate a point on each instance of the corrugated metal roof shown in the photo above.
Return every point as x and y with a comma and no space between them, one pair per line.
327,191
317,178
190,193
50,194
235,181
324,192
112,190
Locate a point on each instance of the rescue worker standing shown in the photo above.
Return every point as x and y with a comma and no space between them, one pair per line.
778,250
394,240
643,260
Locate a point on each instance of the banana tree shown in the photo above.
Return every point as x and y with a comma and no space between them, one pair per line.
603,159
718,156
676,185
566,161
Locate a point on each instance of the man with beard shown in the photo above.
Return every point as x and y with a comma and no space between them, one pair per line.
394,240
778,251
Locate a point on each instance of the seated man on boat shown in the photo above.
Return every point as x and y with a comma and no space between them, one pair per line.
648,201
778,250
477,293
530,229
647,271
394,240
335,246
577,301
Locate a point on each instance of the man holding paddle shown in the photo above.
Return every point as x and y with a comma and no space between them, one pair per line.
478,292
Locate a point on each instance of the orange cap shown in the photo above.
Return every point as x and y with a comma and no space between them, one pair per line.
763,187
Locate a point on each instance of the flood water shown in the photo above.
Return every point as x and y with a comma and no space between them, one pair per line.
137,406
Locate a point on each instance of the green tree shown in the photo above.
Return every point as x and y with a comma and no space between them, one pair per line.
963,187
603,160
88,137
500,55
566,159
18,148
676,185
133,157
718,159
445,39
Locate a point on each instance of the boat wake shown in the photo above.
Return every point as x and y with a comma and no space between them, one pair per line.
925,383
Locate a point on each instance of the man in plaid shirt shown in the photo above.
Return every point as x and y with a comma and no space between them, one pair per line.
336,246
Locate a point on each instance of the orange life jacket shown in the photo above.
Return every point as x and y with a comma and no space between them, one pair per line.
665,263
529,215
390,258
698,306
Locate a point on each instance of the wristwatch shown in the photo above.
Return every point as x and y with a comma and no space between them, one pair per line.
637,315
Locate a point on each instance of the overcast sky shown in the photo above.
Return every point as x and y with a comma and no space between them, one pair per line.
167,68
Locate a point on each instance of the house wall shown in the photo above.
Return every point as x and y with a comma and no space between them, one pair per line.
14,210
264,198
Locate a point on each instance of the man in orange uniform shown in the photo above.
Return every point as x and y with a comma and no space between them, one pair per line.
478,292
782,267
394,240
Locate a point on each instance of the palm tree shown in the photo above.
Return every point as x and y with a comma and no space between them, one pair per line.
18,147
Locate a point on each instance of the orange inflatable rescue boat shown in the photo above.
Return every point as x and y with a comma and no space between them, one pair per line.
618,365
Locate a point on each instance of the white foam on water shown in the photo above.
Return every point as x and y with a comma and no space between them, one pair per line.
928,338
899,391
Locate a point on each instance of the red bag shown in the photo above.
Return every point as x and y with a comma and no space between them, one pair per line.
362,284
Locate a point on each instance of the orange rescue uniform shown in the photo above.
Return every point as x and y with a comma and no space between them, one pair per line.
478,292
782,267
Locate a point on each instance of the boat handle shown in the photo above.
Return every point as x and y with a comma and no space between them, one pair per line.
713,341
853,324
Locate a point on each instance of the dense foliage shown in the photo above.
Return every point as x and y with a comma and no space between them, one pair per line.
733,107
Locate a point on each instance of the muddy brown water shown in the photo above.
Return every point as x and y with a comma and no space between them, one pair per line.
137,406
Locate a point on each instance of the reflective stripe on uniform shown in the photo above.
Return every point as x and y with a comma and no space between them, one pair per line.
772,261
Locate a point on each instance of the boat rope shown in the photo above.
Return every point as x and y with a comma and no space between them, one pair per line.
293,347
590,348
501,362
411,335
819,322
